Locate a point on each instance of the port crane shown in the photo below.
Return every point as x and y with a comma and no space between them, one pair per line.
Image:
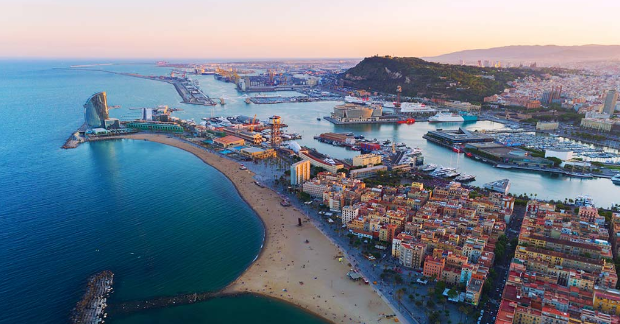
253,123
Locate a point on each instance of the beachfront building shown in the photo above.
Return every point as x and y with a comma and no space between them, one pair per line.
250,137
257,153
433,266
300,172
349,213
366,159
321,161
96,110
228,141
156,127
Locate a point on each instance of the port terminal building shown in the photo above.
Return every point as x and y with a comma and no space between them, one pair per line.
459,137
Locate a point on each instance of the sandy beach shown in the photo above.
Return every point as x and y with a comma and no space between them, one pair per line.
298,265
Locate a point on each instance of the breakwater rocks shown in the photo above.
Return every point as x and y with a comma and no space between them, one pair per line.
91,308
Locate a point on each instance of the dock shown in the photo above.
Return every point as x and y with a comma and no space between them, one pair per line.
91,308
380,121
191,94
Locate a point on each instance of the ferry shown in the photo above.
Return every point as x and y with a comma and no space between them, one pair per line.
355,100
446,117
616,179
501,186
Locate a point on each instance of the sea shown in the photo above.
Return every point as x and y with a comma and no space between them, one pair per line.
162,220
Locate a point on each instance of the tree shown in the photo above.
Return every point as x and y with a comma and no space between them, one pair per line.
452,293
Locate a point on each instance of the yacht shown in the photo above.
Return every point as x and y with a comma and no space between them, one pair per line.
465,177
451,174
429,168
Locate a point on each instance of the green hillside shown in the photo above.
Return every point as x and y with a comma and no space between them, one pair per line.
419,78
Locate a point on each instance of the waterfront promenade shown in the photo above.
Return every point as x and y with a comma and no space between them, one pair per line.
297,264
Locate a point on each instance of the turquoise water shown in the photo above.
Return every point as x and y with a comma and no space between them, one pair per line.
158,217
243,309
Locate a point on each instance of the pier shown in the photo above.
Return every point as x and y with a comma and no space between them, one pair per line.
91,308
189,92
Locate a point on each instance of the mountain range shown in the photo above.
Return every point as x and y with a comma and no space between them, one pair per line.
548,54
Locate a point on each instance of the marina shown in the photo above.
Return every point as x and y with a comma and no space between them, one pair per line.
587,152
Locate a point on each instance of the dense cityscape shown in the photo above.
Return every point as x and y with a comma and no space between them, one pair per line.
210,162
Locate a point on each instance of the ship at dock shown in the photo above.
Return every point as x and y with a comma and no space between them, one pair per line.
447,117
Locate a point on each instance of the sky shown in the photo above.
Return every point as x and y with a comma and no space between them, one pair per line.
295,29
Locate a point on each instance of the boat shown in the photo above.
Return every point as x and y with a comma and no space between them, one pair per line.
616,179
429,167
406,121
467,117
451,174
248,101
222,102
446,117
355,100
318,118
457,149
501,186
465,177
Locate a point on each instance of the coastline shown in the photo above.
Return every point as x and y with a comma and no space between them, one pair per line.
307,275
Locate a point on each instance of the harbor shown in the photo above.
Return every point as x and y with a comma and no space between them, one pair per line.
91,308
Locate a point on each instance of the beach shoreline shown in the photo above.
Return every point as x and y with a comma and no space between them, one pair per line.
296,264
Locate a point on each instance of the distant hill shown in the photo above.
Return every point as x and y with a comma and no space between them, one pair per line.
548,54
426,79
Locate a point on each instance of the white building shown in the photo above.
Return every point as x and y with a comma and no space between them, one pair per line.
564,155
349,213
314,188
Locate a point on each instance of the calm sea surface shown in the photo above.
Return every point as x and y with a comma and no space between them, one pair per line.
155,215
158,217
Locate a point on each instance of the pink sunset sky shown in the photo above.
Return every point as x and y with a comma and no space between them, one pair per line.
275,28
